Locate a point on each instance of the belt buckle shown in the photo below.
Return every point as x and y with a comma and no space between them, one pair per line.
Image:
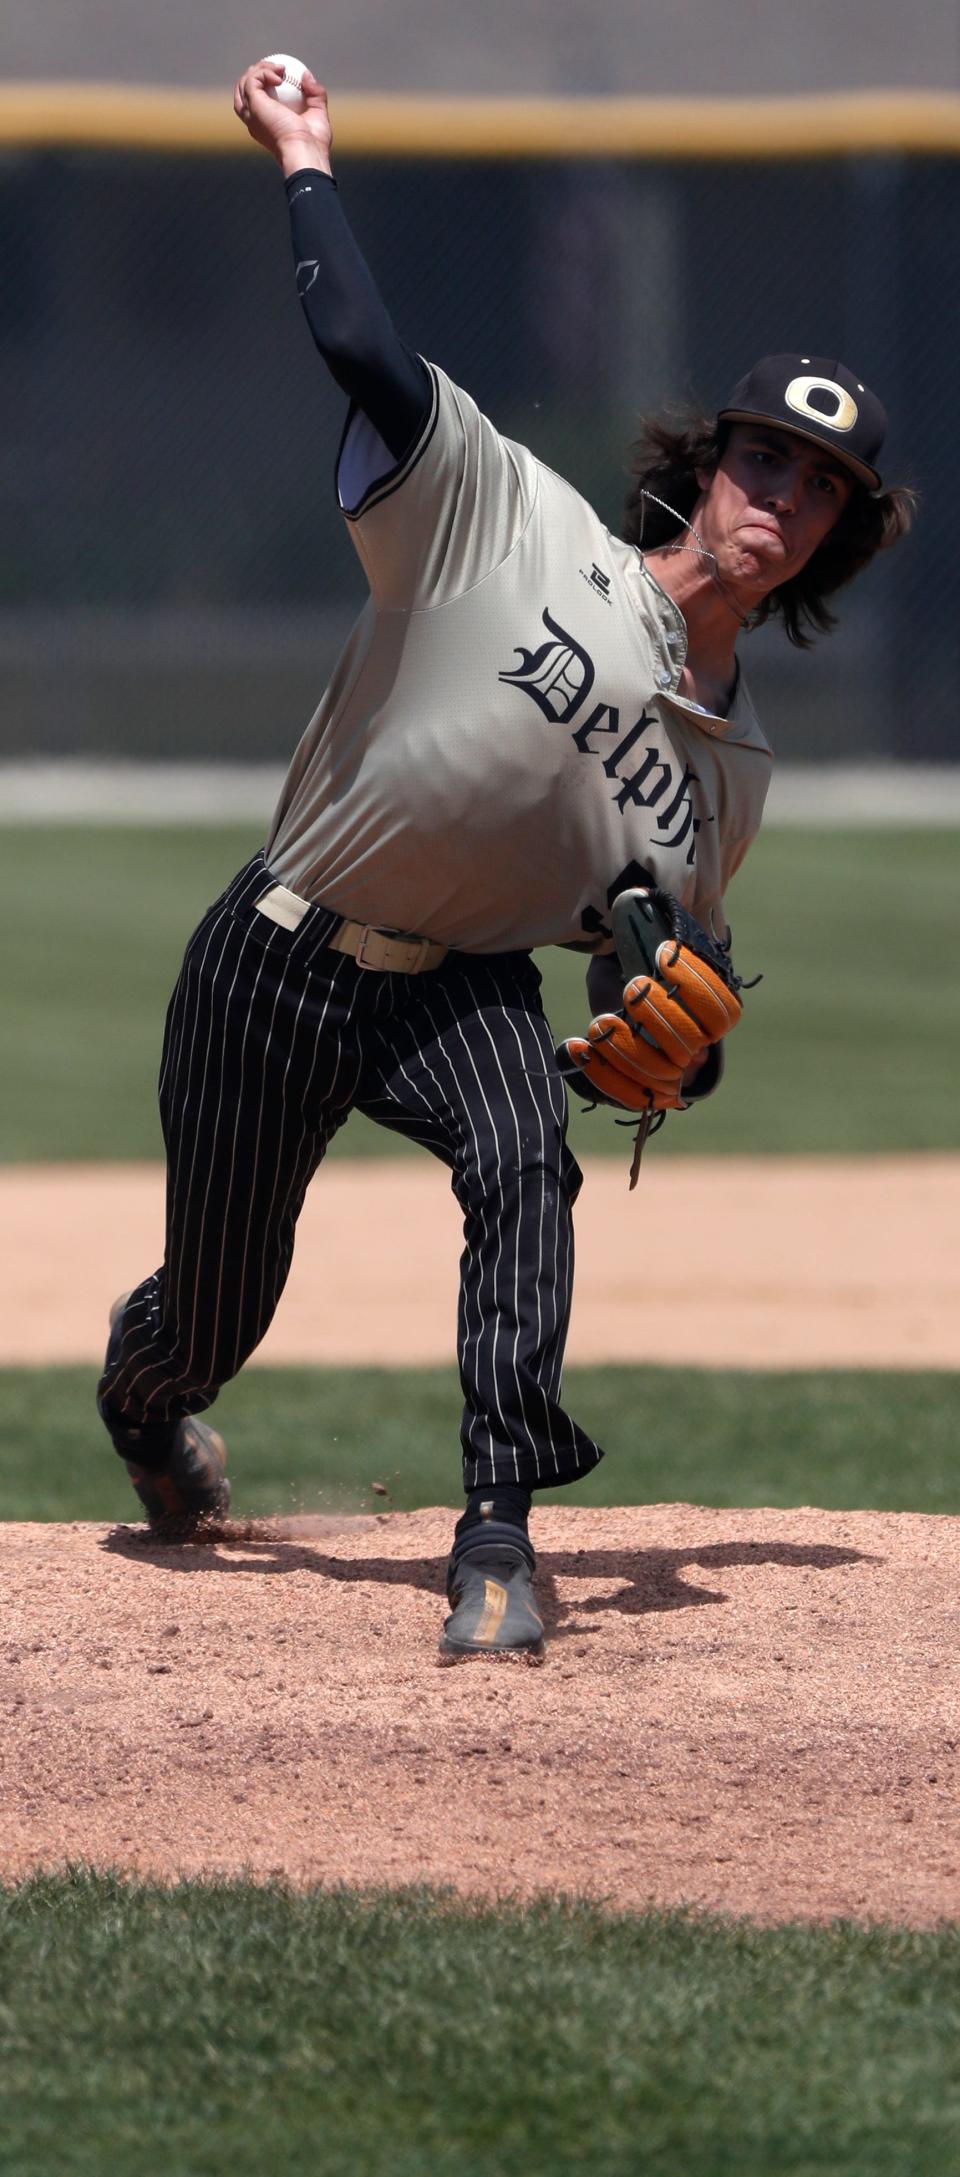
360,957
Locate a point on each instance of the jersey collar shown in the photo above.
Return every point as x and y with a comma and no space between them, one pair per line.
740,726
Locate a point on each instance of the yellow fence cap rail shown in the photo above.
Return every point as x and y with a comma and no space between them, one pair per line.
164,118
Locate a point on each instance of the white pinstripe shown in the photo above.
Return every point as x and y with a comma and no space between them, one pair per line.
316,1142
484,1026
489,1323
177,1193
280,1220
173,1187
511,1024
196,973
540,1054
237,1100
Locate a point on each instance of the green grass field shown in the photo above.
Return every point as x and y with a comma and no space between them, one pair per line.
217,2029
847,1045
315,1440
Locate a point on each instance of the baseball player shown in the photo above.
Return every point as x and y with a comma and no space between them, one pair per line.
530,718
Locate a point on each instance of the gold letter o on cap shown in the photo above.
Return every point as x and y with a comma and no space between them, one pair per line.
797,396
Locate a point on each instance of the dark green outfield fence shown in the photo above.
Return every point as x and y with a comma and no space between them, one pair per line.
174,578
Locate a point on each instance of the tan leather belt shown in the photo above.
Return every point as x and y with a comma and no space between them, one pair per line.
392,952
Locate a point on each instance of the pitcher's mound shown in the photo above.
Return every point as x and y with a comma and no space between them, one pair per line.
754,1712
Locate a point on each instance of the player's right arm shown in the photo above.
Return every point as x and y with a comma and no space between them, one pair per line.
435,498
344,310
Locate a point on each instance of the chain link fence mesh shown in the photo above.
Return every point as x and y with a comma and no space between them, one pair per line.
174,578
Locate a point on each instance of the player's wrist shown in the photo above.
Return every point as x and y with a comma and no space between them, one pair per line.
298,155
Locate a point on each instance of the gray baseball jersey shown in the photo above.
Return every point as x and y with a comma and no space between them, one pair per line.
501,747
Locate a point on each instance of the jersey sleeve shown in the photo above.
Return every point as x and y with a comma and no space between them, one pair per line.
431,527
349,320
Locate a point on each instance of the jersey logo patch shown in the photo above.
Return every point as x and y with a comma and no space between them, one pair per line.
558,677
598,582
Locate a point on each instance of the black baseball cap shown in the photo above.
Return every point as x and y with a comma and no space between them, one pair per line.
818,399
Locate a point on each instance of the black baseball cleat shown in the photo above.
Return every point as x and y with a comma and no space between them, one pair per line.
490,1590
192,1491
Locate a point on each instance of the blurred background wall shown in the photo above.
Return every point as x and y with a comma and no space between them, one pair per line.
716,47
174,578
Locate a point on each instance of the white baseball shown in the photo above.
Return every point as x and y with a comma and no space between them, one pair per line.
289,92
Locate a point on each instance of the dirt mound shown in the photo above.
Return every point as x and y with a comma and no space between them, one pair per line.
749,1711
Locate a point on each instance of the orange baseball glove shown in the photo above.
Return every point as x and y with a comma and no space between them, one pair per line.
681,997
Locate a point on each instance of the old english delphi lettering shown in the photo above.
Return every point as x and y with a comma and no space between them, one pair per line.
559,677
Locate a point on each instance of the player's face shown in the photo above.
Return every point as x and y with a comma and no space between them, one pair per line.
770,503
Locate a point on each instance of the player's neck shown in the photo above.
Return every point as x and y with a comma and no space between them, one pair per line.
714,617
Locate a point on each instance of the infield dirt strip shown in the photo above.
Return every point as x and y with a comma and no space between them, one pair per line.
748,1711
737,1262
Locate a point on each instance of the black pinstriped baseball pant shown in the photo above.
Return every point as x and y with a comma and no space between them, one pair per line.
272,1039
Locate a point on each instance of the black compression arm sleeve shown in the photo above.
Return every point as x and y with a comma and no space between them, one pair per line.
348,319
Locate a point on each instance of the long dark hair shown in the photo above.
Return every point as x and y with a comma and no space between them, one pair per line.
664,461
